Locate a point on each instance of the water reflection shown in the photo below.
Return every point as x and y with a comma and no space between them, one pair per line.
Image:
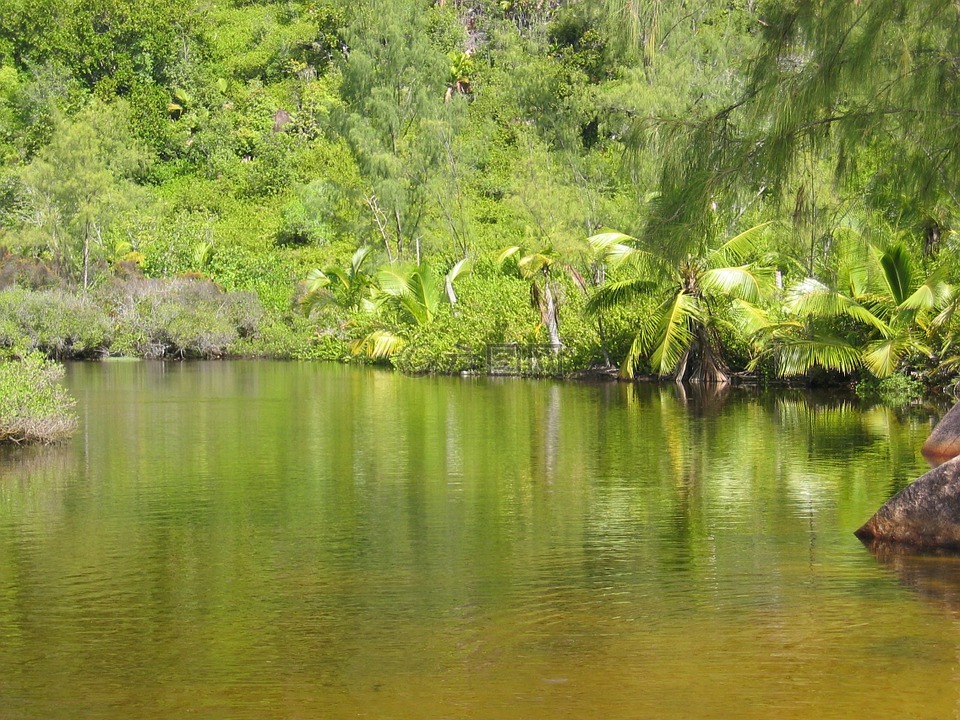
933,574
322,541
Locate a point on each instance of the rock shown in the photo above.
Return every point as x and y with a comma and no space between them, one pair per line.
926,513
944,441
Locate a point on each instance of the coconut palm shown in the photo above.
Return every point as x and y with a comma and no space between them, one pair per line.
537,266
682,338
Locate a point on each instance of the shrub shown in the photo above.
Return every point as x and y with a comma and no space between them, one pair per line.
58,323
34,407
179,318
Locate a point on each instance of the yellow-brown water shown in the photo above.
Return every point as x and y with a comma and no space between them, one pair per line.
269,540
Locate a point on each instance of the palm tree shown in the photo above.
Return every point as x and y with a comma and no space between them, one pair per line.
346,287
879,292
682,337
537,267
416,293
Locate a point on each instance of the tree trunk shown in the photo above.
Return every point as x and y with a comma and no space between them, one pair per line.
552,316
86,256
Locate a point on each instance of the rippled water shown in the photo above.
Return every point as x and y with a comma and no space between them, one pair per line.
268,540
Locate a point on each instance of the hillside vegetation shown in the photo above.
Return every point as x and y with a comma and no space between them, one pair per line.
683,189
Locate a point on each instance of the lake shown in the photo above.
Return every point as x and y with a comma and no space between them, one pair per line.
283,540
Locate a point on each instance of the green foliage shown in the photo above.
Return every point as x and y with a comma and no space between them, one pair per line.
57,323
253,144
34,407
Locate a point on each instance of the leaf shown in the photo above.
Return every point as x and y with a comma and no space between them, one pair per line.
796,356
897,272
674,332
379,344
739,246
811,298
737,282
614,294
316,279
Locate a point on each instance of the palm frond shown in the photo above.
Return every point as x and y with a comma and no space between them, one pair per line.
316,279
614,247
741,245
738,282
359,257
394,281
932,294
750,319
796,356
811,298
897,272
379,344
674,332
615,294
883,357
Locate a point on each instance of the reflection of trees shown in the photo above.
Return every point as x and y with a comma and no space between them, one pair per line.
348,509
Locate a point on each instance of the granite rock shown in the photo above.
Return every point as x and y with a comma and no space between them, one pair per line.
926,513
944,441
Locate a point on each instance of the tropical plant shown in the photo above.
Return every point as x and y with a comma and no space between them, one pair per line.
537,267
417,293
347,287
682,338
876,289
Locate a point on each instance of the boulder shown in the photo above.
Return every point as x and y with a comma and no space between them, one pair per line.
926,513
944,441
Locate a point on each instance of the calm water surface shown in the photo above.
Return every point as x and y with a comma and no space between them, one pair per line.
268,540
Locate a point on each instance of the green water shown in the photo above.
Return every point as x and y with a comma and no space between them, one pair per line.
268,540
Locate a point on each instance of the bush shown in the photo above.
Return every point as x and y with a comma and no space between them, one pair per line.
57,323
179,318
34,407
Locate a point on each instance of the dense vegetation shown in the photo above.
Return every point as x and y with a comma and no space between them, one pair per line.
34,407
681,189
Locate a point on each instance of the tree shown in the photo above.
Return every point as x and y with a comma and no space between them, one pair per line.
394,83
537,267
895,312
870,85
682,337
78,186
